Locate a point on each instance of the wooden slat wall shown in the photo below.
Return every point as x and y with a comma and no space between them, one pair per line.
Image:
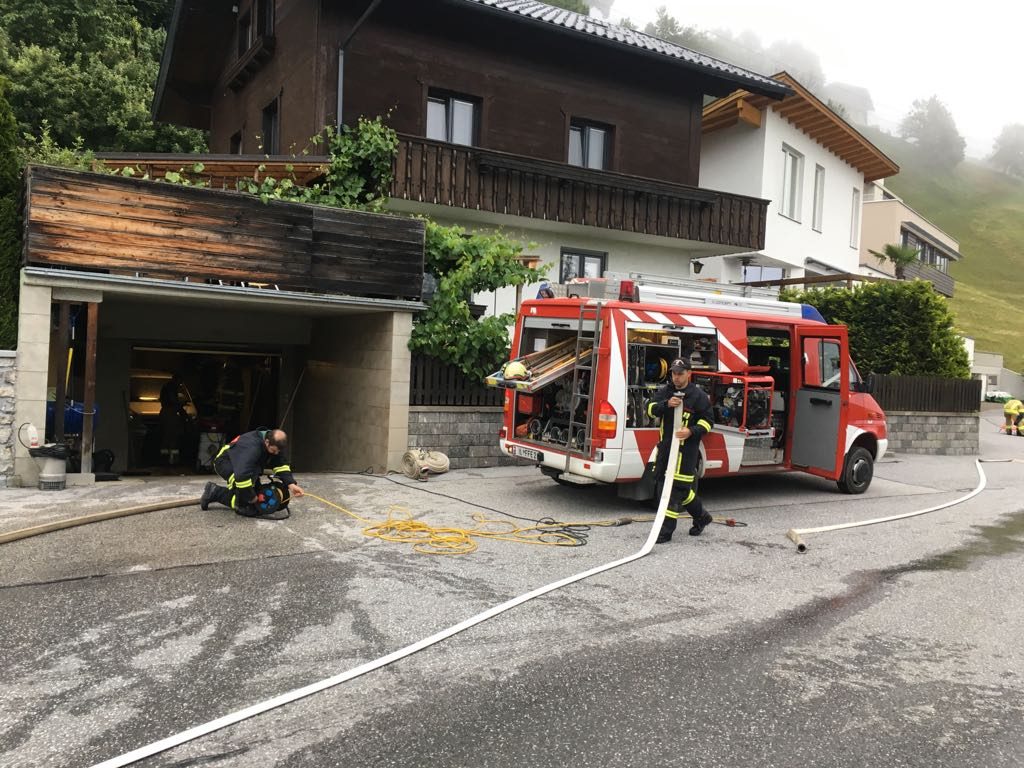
435,383
465,177
127,226
925,393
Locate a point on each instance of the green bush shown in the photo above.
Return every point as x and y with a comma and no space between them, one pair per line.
899,328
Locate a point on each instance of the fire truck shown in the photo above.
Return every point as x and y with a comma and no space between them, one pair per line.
785,394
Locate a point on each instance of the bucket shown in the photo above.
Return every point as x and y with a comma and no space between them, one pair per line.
52,459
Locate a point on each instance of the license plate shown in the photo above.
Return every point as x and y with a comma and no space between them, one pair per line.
526,453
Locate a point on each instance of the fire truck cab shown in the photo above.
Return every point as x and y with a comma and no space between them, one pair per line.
785,394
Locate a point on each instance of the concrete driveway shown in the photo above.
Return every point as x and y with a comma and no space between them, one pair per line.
124,632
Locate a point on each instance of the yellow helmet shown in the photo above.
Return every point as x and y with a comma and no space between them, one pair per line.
515,371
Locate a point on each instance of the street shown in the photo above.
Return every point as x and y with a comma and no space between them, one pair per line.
893,644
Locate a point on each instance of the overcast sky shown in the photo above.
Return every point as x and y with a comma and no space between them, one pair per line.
968,54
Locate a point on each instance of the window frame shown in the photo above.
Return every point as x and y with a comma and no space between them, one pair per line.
818,214
791,200
581,265
585,127
244,38
235,143
448,99
272,144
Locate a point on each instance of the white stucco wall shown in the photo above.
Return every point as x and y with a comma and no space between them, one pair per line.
747,160
792,242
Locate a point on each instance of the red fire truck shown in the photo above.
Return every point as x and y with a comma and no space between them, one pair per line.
785,394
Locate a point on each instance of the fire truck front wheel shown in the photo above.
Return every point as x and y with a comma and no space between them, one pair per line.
858,469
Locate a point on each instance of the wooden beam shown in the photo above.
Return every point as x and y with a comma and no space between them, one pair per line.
749,114
89,401
62,361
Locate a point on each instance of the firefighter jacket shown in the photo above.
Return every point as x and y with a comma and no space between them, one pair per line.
1013,407
250,458
696,406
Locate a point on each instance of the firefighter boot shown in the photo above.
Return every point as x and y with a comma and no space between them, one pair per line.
668,527
700,523
209,494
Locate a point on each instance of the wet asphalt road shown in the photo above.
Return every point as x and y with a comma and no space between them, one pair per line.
894,644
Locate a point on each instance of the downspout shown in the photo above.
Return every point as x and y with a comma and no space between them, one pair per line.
341,59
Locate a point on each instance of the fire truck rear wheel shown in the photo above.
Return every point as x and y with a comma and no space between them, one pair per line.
858,469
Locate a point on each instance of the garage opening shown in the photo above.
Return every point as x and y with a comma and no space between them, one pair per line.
184,404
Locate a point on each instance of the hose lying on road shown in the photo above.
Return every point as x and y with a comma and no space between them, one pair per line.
95,517
795,534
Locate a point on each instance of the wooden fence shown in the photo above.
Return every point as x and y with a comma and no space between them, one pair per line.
925,393
437,383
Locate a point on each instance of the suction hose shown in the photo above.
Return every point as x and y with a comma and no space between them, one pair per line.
96,517
794,534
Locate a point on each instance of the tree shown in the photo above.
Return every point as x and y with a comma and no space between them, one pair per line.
571,5
668,28
1008,155
900,256
10,242
898,328
89,69
930,124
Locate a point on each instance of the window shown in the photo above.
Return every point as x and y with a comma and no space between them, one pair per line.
452,118
577,263
821,358
855,219
819,197
245,38
754,273
271,129
792,183
589,145
264,18
236,144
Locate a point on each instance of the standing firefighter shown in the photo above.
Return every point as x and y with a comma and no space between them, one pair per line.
695,423
241,462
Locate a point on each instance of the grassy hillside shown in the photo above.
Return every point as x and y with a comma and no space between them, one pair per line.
984,210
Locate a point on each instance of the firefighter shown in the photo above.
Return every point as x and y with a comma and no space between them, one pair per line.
695,423
241,462
1012,412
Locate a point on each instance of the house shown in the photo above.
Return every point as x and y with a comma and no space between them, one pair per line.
809,162
276,314
564,131
855,101
889,220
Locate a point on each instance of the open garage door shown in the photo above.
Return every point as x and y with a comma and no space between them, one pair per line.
185,402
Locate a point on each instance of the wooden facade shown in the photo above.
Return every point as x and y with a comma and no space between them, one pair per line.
101,223
529,82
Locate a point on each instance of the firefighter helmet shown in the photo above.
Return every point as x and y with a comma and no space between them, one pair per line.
515,371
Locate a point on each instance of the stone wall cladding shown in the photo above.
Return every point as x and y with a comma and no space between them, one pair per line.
468,436
7,427
942,434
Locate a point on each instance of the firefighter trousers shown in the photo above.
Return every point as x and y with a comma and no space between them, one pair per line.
238,497
683,498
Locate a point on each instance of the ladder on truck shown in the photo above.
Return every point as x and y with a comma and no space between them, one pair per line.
543,367
579,440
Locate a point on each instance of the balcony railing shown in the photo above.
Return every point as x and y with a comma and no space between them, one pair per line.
942,282
481,179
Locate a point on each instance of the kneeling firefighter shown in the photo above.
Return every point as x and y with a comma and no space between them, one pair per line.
696,422
241,463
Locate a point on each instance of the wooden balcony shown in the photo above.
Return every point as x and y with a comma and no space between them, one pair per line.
481,179
109,224
942,282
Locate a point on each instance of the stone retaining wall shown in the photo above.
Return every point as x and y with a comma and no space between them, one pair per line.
945,434
467,435
7,427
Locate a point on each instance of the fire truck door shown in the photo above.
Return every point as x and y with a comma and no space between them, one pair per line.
821,378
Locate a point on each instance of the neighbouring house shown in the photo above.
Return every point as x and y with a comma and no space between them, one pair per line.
567,132
855,101
889,220
813,167
270,314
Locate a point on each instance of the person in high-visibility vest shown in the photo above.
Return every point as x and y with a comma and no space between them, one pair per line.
697,419
241,462
1013,410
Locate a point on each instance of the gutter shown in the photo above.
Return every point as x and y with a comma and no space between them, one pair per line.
339,113
122,285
